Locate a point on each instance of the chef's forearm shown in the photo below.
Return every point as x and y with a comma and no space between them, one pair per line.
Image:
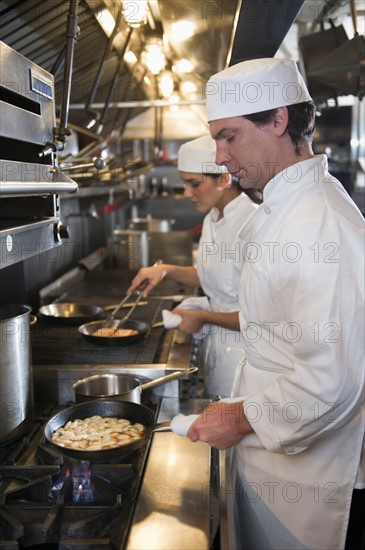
228,320
184,275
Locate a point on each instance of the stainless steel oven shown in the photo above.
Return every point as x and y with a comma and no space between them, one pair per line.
30,181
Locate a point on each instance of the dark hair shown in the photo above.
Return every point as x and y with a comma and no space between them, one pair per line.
300,126
215,176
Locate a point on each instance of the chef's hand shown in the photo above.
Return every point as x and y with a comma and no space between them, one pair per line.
150,276
191,320
221,425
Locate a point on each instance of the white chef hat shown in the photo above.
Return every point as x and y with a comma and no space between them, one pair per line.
254,86
198,156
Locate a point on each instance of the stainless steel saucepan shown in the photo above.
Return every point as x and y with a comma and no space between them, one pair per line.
120,387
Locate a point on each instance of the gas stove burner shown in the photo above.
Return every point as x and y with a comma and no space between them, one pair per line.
48,500
83,490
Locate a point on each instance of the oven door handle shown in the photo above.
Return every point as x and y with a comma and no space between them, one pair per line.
32,188
42,180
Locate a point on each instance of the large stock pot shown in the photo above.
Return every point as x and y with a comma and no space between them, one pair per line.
16,382
130,248
151,225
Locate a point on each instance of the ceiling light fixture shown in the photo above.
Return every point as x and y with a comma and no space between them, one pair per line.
174,100
166,84
183,30
106,21
130,57
135,13
153,56
183,66
188,88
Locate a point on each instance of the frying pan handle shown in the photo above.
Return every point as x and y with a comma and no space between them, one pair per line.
158,324
162,427
167,378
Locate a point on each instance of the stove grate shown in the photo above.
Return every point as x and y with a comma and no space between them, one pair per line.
37,496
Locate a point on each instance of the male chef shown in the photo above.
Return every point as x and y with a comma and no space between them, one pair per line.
298,426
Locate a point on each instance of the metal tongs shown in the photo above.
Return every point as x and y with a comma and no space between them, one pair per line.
111,322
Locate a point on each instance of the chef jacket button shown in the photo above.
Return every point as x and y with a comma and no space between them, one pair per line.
291,450
267,210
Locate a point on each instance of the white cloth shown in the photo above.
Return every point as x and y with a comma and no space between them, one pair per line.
219,265
181,423
301,299
254,86
173,320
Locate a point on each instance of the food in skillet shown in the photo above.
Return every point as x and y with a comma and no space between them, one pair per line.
115,333
97,433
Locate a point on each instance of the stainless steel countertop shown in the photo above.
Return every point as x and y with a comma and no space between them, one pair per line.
174,505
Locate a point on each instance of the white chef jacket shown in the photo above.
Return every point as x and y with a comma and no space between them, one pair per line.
301,297
219,264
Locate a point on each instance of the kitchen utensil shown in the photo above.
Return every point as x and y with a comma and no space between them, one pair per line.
89,332
173,297
120,323
70,313
126,305
120,409
16,388
121,387
110,321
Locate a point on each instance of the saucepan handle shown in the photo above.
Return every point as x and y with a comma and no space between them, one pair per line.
167,378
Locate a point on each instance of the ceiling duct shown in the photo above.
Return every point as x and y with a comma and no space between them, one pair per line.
333,65
261,28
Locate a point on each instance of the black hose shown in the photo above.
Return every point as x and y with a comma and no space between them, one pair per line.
114,81
102,67
72,34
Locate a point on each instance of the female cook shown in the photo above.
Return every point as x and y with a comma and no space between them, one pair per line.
218,263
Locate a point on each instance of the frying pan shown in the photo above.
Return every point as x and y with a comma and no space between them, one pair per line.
120,409
75,313
88,329
70,313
